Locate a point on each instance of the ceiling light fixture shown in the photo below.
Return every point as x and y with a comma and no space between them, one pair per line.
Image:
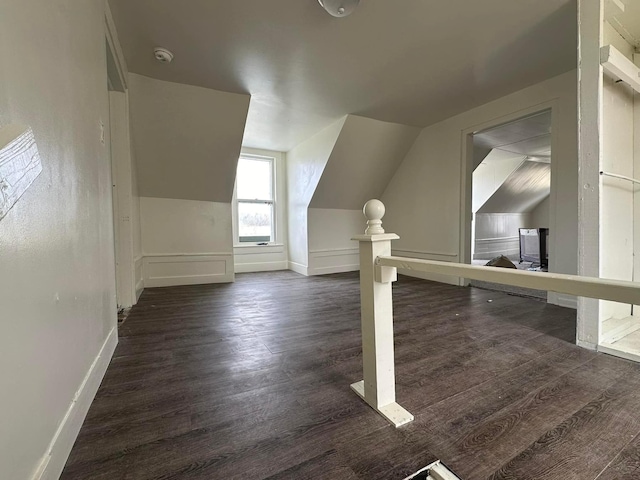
339,8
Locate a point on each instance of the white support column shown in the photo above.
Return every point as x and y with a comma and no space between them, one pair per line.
378,388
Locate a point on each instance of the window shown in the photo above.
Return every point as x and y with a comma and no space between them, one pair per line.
255,200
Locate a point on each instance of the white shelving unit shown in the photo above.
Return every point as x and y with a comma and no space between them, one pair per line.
609,119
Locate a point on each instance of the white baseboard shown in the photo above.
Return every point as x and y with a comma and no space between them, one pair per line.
334,269
562,300
587,345
59,449
139,276
167,270
261,267
298,268
334,260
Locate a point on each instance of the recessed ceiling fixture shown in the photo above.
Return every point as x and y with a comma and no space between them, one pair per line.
162,55
339,8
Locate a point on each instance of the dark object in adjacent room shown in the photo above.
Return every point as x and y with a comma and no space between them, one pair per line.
534,246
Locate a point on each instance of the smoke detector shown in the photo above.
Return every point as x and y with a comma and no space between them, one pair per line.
162,55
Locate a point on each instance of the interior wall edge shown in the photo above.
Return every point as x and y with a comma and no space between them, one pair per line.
58,452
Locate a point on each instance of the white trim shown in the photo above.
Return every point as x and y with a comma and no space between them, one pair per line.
273,201
198,254
138,266
111,34
181,269
299,268
502,239
258,249
333,269
466,172
567,301
336,252
333,260
53,462
620,67
261,266
421,253
587,345
611,349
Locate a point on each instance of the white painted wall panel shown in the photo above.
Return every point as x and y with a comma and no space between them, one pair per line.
331,249
616,196
497,234
175,227
57,287
305,164
181,231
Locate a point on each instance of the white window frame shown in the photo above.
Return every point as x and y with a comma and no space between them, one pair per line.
272,202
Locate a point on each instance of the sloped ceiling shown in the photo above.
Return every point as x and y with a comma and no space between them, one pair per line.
413,62
530,136
186,139
363,161
522,191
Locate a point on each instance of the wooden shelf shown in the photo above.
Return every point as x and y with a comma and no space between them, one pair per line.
620,67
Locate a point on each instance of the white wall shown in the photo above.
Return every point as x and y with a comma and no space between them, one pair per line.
539,218
57,287
187,139
137,229
498,234
363,160
305,164
186,242
264,258
425,199
616,196
331,249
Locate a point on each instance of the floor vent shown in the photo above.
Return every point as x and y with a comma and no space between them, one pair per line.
435,471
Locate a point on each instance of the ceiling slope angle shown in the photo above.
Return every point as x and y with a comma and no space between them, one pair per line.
186,139
522,191
365,157
415,65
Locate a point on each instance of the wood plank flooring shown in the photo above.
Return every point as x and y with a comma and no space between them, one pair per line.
251,380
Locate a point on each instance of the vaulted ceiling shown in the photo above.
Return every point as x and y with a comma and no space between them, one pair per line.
413,62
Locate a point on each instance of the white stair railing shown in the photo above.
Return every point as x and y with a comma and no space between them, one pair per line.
378,269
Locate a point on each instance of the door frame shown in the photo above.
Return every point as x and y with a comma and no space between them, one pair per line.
466,179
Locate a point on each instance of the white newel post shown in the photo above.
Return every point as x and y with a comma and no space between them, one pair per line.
378,388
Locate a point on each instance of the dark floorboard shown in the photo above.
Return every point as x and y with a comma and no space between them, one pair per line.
251,380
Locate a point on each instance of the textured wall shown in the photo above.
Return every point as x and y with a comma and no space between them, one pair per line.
57,287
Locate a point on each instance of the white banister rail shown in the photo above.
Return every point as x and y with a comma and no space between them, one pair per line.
614,290
378,269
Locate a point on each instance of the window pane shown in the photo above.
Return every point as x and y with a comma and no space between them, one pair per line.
255,222
254,179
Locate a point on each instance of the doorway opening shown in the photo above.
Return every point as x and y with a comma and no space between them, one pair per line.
510,197
115,86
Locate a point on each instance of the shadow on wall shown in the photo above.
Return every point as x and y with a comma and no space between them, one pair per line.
562,19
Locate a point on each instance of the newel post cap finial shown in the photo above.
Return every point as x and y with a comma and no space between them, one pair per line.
374,211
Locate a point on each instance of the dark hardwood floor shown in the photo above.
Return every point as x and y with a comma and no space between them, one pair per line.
251,380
